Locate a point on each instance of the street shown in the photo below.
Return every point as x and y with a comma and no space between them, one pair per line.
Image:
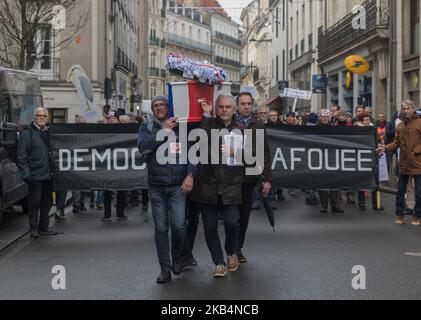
310,256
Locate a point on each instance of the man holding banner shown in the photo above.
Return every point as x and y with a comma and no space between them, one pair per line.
168,186
408,139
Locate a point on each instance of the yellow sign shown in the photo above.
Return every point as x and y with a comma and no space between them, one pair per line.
348,82
357,64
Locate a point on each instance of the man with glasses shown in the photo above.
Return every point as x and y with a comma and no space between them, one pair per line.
168,186
33,159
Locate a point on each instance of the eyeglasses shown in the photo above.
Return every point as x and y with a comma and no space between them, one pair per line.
159,105
41,116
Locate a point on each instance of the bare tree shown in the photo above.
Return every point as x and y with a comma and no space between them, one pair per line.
22,21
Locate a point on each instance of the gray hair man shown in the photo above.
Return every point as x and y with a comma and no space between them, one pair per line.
33,159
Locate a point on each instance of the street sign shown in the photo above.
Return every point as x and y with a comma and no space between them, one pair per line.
297,94
319,83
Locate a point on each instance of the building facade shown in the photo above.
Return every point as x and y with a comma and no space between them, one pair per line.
226,47
406,53
157,49
256,49
187,33
109,49
346,34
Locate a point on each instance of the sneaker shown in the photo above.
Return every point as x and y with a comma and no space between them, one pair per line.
193,262
124,218
104,219
338,210
256,206
34,234
416,221
177,268
241,257
99,207
164,277
399,220
48,233
59,216
186,265
220,271
233,263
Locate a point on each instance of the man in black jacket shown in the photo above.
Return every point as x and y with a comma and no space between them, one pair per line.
33,159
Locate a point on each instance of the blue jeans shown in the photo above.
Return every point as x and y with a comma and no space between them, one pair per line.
402,189
168,210
232,230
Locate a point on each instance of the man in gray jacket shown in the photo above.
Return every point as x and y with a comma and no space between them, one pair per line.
33,159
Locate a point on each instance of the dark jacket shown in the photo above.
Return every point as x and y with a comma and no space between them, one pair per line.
255,125
33,154
158,174
214,180
408,139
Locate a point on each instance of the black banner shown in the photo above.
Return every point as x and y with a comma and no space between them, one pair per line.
91,157
323,157
105,157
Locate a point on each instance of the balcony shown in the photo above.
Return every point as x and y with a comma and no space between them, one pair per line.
188,43
227,38
156,72
48,69
222,60
156,42
342,34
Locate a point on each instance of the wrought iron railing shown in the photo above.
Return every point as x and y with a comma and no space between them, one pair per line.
227,38
230,62
343,33
189,43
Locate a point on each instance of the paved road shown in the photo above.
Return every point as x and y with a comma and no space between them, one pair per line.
309,257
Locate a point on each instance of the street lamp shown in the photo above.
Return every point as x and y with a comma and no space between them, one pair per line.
138,110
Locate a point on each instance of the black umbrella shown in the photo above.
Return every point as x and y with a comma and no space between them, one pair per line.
266,204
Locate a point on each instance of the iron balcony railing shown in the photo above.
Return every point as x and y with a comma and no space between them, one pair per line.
157,42
226,61
175,39
343,33
227,38
156,72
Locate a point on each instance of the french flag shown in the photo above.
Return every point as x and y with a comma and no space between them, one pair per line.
184,98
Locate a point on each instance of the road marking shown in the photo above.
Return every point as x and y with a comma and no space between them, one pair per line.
413,254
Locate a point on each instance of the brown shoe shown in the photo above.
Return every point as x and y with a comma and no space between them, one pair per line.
220,271
416,221
399,220
233,263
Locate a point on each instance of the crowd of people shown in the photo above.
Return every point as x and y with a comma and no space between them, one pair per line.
180,193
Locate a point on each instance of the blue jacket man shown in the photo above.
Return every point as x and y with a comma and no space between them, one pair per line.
33,159
168,186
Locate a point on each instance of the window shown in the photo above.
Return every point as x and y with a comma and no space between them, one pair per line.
43,47
153,60
154,89
57,115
